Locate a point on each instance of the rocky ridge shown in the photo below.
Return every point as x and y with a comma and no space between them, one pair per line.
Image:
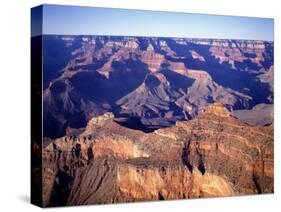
212,155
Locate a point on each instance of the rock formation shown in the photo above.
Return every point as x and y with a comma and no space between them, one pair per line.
212,155
154,80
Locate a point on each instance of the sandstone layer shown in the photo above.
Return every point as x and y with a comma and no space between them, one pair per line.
212,155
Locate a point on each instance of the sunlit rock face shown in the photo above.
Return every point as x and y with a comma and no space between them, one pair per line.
212,155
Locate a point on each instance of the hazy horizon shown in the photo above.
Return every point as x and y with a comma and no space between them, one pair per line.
80,20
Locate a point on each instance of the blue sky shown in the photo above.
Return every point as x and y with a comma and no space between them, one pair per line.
73,20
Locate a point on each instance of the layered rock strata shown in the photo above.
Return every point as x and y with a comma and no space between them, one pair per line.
212,155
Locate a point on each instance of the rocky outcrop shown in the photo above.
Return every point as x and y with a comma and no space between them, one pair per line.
152,59
212,155
197,56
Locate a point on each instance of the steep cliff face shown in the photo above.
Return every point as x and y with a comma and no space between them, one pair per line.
211,155
132,181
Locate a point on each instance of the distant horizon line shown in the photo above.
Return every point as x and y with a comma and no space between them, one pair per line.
151,36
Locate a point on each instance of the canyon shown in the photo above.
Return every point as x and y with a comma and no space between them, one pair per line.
128,118
149,82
